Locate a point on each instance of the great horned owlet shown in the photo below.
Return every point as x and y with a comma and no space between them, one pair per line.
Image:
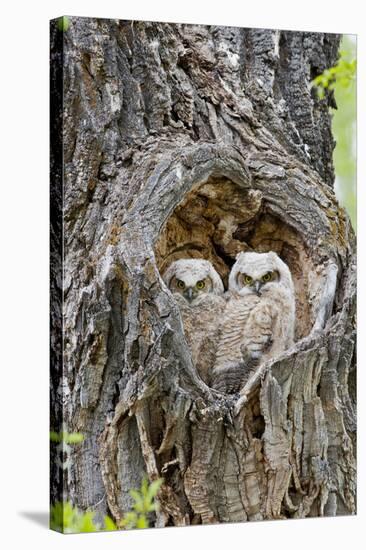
259,318
198,291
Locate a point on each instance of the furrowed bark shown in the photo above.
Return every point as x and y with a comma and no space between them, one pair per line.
202,141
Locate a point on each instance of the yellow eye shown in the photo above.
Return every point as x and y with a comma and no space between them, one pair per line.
180,284
200,285
267,277
248,280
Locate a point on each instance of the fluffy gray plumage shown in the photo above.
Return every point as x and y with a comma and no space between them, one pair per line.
259,318
198,291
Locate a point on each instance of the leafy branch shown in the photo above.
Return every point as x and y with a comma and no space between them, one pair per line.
66,437
343,73
144,504
67,518
63,23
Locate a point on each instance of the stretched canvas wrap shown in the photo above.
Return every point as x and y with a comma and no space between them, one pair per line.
203,281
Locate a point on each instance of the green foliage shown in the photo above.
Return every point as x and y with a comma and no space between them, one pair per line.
65,437
69,519
63,23
342,74
144,504
66,518
342,80
344,131
109,524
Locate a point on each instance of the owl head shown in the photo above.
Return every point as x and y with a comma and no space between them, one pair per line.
193,279
257,273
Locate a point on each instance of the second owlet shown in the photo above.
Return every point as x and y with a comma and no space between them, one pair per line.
259,319
198,291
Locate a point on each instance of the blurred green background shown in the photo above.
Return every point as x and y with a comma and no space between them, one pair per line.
344,131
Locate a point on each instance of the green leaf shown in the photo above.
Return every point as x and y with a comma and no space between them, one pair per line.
73,438
109,524
55,437
142,523
130,520
70,438
63,23
56,517
154,487
66,518
144,487
86,523
139,501
344,129
343,72
143,504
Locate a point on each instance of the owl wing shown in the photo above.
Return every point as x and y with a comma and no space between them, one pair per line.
259,332
270,326
230,370
193,324
200,324
209,318
232,329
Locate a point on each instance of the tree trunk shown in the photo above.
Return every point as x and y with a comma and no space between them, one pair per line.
197,141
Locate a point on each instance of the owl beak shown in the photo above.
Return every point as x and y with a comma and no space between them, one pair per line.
188,294
257,288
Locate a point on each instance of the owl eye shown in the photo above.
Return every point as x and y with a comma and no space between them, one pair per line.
267,277
200,285
180,284
247,279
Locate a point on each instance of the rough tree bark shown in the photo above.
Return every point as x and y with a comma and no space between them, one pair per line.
197,141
